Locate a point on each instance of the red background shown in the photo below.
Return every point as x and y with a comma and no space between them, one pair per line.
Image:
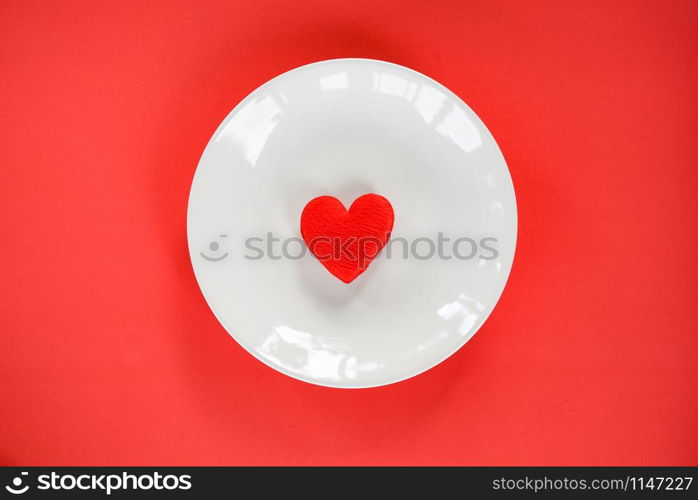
110,354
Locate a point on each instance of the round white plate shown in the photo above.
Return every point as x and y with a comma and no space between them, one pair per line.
344,128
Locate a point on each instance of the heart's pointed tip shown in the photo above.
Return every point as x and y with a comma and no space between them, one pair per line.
344,278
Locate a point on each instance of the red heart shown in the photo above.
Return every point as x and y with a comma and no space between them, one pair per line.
346,241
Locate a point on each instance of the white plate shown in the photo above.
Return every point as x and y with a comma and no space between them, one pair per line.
347,127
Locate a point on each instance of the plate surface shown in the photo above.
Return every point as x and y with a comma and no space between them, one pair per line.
344,128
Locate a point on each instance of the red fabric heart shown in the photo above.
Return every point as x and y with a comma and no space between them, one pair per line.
346,241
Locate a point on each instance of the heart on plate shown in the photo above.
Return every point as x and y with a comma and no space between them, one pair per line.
346,241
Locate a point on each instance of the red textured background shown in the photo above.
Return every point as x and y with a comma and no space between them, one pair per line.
110,354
